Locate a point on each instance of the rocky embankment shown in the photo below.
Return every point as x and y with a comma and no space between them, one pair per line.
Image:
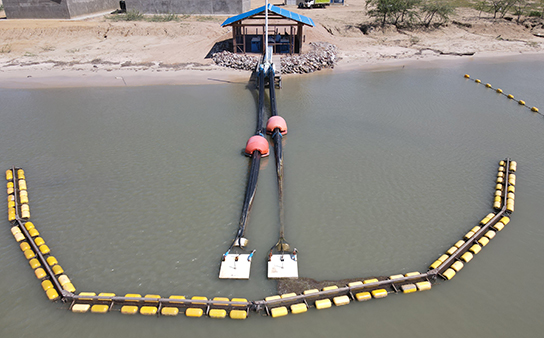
322,55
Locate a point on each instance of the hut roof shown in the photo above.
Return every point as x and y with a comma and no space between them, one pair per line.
271,8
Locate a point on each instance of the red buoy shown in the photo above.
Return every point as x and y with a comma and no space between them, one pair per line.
276,122
259,143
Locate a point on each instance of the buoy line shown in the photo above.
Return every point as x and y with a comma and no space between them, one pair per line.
509,96
58,286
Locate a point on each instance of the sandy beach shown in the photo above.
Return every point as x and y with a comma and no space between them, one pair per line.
97,51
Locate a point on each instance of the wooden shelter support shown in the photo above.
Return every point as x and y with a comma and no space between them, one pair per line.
285,31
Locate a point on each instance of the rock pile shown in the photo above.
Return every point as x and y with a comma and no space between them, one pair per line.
323,55
236,61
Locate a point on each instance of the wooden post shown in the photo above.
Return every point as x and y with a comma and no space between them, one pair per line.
234,49
291,41
299,37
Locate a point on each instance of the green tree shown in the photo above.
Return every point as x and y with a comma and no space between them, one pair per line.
495,7
409,13
438,10
500,7
481,6
519,9
384,11
395,12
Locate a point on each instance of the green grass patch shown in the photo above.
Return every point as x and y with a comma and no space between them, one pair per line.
128,16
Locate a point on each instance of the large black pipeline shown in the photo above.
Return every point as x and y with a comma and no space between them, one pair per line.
273,109
248,199
278,154
251,187
260,110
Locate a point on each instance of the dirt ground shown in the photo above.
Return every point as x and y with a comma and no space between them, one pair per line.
99,44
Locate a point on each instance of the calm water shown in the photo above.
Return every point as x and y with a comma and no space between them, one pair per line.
139,190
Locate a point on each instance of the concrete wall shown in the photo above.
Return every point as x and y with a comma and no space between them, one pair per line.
189,6
84,7
36,9
66,9
56,9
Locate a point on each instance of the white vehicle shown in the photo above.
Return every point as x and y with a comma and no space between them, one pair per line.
313,3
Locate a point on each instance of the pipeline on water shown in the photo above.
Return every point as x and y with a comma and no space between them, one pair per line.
260,110
281,245
249,196
251,187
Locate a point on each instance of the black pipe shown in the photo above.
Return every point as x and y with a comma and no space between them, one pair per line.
260,110
250,193
251,187
278,152
272,90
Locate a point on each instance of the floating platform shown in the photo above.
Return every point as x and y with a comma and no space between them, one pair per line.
235,266
283,266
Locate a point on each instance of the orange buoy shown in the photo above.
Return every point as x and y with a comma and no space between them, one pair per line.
259,143
276,122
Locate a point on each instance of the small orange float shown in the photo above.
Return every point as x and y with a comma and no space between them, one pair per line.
276,122
259,143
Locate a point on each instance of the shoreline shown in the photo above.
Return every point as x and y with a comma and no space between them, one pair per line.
25,78
42,76
99,52
439,61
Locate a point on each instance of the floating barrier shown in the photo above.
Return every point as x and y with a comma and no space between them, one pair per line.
58,286
510,96
55,284
449,264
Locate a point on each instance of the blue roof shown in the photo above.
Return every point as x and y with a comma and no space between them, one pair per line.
271,8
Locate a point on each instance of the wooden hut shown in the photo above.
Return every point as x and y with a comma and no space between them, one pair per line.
285,30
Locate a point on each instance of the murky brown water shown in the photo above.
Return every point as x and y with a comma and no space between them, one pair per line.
139,190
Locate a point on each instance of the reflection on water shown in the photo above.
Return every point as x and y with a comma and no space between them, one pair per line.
139,190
